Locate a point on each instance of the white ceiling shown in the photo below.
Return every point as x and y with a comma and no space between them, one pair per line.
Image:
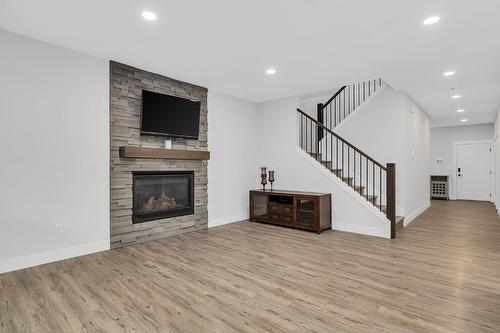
315,45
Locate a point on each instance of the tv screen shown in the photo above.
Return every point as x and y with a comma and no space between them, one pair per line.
169,116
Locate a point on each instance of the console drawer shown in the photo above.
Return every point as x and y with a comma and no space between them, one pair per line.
280,209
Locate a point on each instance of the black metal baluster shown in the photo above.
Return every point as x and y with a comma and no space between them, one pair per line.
328,111
349,102
360,174
373,179
335,108
354,165
380,191
353,97
343,163
304,135
301,130
331,151
359,94
339,108
337,153
343,99
348,161
310,138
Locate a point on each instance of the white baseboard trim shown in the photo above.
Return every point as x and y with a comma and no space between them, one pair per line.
357,229
228,219
14,264
412,216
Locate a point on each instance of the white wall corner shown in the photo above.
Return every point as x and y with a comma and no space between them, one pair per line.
13,264
228,219
413,215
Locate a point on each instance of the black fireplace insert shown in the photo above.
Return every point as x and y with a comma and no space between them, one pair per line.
158,195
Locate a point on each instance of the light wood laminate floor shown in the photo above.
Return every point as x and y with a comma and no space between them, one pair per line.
442,274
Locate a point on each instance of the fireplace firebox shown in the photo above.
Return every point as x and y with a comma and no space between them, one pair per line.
159,195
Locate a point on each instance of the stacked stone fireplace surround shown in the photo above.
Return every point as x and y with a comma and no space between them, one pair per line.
126,85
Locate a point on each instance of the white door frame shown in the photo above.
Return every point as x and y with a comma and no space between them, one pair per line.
454,171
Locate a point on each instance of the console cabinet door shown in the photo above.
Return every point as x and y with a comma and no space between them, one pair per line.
258,207
306,212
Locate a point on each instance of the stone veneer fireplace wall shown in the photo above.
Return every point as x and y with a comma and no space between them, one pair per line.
126,84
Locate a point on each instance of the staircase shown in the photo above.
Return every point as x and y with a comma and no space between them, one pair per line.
372,181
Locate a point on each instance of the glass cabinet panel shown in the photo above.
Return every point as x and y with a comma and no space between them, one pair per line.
259,207
306,212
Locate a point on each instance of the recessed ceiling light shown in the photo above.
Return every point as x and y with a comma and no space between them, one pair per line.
150,16
456,96
431,20
463,120
450,73
270,71
460,110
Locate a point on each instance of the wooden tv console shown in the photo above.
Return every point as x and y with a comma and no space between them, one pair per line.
302,210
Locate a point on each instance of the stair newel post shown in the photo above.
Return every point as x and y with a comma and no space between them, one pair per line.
391,196
320,119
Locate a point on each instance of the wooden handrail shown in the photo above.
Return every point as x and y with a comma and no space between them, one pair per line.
359,151
347,99
333,97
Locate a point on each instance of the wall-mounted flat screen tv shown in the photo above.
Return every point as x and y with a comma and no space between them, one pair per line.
169,116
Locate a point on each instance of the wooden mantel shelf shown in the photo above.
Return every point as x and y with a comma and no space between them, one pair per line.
159,153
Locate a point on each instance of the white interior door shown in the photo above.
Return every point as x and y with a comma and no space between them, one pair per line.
473,170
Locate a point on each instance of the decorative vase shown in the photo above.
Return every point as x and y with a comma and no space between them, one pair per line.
271,178
263,177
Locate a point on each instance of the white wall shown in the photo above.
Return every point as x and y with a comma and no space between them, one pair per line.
442,139
54,139
233,170
377,129
496,150
392,128
416,160
297,171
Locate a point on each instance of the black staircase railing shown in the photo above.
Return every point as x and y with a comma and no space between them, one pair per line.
372,180
344,102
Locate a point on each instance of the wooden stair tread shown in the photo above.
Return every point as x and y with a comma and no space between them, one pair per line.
359,189
348,180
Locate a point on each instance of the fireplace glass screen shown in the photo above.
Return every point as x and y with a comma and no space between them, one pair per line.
158,195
